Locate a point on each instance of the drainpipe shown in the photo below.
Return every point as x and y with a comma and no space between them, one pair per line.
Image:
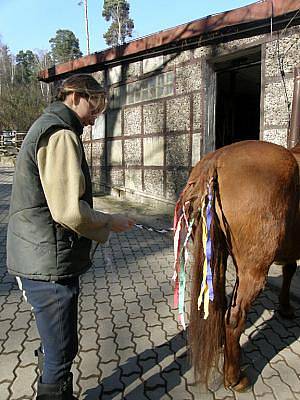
294,132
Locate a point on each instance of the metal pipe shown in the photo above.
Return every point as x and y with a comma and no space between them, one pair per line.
294,131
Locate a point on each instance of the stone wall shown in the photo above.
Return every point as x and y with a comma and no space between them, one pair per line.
278,91
154,130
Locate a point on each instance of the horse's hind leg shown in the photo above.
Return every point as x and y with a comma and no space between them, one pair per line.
285,309
248,286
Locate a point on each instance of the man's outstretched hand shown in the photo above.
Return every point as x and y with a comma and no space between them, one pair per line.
121,223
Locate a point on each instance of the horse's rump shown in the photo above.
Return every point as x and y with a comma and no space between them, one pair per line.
257,194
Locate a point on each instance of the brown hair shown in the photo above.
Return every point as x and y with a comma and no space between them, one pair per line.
80,83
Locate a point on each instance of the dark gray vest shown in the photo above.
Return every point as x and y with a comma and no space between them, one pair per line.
38,247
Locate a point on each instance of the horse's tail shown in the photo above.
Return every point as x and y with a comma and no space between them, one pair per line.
206,336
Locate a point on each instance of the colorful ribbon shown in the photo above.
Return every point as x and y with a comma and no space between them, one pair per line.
206,291
181,259
177,230
181,256
182,276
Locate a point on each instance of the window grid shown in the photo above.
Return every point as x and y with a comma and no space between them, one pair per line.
147,89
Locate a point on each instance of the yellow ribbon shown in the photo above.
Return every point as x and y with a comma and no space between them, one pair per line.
204,291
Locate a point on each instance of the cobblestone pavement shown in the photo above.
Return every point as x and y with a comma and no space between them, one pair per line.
131,346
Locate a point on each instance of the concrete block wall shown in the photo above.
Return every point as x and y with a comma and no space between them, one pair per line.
278,92
148,144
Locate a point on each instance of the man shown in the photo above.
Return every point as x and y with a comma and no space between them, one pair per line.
52,223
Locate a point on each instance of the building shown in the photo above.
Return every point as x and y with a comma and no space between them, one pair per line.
179,93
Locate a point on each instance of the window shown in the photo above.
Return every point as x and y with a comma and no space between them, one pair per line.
147,89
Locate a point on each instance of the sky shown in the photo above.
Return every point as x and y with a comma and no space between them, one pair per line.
29,24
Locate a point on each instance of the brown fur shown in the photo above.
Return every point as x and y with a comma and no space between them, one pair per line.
255,220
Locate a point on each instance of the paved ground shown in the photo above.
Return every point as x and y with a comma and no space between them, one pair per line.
130,344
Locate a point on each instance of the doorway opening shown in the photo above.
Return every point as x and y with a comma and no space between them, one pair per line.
238,87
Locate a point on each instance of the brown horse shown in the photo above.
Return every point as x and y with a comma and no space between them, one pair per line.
255,220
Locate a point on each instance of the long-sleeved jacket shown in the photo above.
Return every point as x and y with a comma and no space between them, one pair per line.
62,152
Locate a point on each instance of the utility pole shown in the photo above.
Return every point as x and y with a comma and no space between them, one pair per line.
87,26
85,3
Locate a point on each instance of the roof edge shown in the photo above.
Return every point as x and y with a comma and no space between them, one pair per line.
251,13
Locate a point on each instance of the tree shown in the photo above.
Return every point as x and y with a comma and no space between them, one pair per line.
121,25
26,66
7,68
20,106
22,96
44,61
64,46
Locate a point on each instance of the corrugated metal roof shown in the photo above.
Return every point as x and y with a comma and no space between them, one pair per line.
252,13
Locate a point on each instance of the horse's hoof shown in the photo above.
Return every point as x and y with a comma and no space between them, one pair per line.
243,384
287,312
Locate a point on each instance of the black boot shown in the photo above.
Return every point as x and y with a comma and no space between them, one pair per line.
40,356
56,391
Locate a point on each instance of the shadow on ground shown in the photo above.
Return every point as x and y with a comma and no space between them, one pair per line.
140,365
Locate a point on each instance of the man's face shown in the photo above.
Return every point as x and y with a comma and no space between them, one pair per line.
90,107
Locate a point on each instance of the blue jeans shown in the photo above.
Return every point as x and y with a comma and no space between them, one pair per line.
55,306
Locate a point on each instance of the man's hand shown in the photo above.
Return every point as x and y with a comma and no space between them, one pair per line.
121,223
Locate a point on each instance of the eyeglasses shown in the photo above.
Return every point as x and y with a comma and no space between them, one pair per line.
97,103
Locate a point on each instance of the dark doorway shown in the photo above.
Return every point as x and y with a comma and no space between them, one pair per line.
238,99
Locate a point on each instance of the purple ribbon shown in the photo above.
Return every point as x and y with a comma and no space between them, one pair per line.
209,246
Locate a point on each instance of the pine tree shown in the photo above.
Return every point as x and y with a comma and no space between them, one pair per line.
64,46
121,26
26,66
